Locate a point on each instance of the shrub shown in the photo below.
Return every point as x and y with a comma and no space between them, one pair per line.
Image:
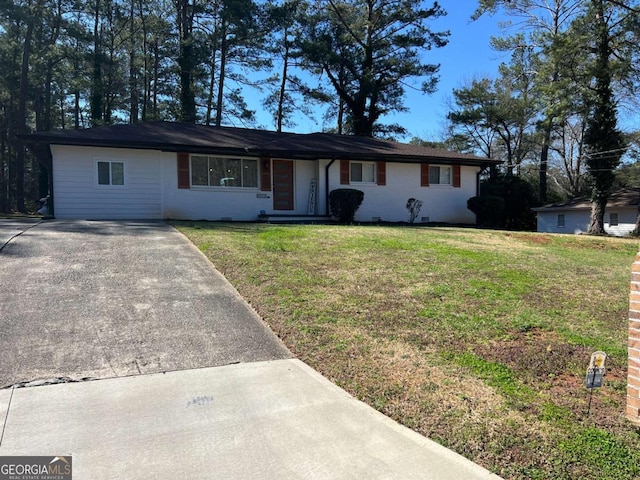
489,210
414,207
344,202
519,197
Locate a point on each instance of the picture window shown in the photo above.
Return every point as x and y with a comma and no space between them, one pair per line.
224,172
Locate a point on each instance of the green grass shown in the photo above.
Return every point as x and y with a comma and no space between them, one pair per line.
499,376
477,339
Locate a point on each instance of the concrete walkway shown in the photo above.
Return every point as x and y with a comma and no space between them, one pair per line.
222,400
265,420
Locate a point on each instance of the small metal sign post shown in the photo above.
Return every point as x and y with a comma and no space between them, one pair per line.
595,373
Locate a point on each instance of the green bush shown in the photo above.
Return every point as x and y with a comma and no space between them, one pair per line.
344,202
519,197
489,210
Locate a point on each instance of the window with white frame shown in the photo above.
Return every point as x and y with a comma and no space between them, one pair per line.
224,172
110,173
613,219
560,220
439,175
362,172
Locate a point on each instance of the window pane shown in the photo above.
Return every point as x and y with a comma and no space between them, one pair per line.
445,175
369,172
117,173
356,172
434,175
233,170
216,171
199,171
250,173
225,172
560,220
440,175
613,219
103,173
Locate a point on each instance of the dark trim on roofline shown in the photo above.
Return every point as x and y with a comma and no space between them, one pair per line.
562,209
289,154
200,139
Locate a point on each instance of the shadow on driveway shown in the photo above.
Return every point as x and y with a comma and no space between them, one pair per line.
85,299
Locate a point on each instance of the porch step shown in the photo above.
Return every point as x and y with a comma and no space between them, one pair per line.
284,218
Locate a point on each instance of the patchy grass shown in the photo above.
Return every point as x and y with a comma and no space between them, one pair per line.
477,339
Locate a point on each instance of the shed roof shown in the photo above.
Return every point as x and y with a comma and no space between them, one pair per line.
622,198
175,137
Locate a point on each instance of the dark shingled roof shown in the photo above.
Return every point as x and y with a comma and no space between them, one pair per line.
625,197
175,137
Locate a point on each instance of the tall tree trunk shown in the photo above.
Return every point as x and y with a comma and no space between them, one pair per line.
146,80
596,221
76,90
210,94
97,86
186,62
283,83
221,77
156,76
605,144
4,156
341,112
212,82
22,117
133,80
544,161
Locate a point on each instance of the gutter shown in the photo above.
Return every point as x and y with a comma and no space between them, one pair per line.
253,150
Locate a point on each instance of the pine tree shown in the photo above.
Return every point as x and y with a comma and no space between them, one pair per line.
369,50
604,143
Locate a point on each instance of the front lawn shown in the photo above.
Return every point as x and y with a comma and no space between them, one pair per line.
477,339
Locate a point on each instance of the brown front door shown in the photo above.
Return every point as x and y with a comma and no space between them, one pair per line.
282,185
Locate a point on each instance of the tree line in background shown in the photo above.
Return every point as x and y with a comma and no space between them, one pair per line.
550,112
72,64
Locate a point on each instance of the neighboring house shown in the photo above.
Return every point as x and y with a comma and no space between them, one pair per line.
164,170
573,216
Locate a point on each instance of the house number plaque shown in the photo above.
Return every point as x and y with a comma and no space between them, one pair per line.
596,370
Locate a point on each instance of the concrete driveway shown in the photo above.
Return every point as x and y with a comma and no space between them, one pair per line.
119,299
85,299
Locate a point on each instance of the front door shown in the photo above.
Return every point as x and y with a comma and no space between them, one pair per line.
282,185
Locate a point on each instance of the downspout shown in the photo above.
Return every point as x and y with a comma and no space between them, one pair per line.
326,186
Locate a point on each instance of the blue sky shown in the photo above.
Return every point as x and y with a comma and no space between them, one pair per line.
468,54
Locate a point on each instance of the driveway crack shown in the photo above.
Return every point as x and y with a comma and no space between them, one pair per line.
18,234
4,424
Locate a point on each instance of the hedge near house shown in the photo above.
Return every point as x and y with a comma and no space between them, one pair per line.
489,210
344,203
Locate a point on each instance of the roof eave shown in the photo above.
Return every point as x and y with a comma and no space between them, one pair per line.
293,154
